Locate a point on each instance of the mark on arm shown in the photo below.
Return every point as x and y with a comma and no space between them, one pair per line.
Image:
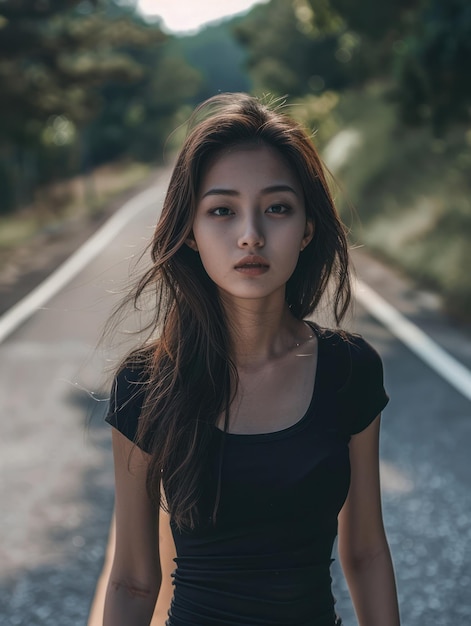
132,588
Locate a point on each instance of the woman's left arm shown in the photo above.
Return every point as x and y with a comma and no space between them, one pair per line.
363,547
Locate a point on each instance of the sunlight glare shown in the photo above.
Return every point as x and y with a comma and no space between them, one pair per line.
183,16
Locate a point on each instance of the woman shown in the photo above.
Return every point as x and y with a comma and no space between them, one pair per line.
256,430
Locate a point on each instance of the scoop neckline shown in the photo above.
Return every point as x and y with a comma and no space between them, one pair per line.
283,432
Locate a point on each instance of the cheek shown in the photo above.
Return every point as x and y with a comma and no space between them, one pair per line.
211,251
290,241
206,233
290,248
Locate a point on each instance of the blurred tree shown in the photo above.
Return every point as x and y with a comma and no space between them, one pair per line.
421,47
292,47
217,55
54,55
370,18
136,118
433,62
82,82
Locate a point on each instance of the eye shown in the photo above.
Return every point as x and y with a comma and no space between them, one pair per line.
221,211
278,209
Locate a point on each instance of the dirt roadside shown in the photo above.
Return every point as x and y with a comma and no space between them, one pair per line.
34,261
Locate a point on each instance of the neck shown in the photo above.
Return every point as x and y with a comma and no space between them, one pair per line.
262,330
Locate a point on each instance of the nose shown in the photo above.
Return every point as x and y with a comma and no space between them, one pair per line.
252,234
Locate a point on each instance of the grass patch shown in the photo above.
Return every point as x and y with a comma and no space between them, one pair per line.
411,195
68,202
15,230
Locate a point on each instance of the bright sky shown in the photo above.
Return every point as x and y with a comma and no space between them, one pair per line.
187,15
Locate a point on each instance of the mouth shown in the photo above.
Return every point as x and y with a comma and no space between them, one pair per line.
252,265
252,262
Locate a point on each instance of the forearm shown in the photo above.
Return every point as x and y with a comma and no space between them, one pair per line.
127,604
373,589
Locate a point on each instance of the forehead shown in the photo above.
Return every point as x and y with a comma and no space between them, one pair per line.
248,164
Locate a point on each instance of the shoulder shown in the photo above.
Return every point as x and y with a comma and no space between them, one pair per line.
339,338
127,398
128,386
364,359
358,370
351,350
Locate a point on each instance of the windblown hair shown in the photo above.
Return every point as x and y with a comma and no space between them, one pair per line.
190,376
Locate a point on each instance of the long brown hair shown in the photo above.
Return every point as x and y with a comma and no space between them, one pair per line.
190,376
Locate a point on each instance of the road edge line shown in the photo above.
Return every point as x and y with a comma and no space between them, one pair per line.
77,261
438,359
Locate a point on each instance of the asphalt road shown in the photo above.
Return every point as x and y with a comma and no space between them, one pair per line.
56,477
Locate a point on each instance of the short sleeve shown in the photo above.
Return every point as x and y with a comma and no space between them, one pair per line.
126,401
363,396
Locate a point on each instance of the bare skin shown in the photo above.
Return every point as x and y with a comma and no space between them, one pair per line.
135,575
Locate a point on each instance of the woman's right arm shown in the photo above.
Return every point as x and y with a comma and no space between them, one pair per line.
135,576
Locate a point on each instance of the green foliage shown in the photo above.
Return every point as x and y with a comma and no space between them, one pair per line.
53,61
433,66
293,49
219,58
421,48
411,194
372,19
137,119
82,83
317,114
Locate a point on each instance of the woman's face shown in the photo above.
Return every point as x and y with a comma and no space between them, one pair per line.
250,222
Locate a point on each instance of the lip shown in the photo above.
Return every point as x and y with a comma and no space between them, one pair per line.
252,261
252,265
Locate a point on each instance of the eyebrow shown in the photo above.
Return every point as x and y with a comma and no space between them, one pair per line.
233,192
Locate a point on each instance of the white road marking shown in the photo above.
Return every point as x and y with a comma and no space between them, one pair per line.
415,339
37,298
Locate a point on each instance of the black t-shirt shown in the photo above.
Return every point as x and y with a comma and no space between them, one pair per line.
267,559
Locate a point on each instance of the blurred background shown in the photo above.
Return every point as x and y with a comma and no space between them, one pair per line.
93,100
90,92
